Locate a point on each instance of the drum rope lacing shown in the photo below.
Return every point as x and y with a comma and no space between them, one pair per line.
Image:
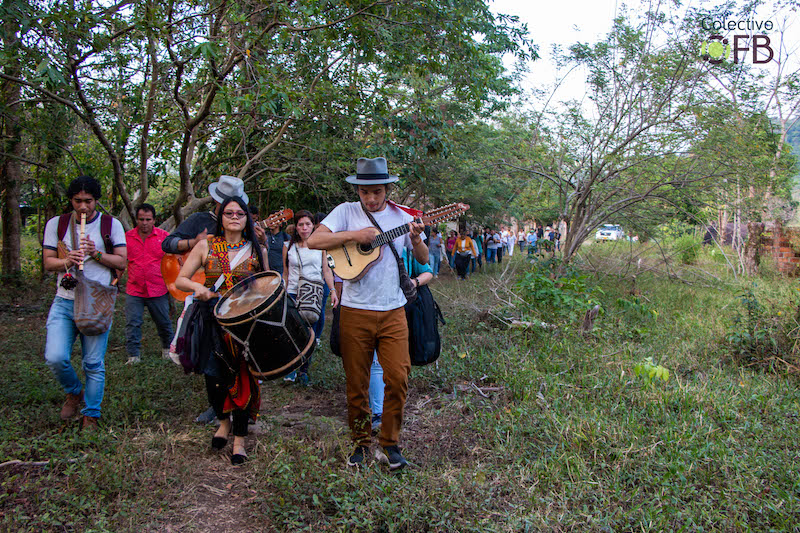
246,343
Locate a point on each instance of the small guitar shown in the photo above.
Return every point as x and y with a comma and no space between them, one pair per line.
171,263
351,261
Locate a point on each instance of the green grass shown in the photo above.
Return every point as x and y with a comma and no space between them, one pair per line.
520,429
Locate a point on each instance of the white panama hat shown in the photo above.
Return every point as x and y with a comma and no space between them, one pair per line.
371,172
227,187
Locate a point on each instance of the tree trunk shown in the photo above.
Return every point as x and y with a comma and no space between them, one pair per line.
752,249
11,174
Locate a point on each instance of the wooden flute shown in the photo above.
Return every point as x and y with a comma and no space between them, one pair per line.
83,234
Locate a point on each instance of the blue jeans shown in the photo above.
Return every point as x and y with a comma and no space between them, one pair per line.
472,262
490,255
134,313
435,261
61,333
376,386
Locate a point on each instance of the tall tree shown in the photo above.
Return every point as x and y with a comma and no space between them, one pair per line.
217,87
11,136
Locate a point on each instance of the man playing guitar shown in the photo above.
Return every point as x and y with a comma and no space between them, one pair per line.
372,314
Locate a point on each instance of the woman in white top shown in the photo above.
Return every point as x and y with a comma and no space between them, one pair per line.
314,267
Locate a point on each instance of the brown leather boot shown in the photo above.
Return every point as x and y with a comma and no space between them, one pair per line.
70,408
88,423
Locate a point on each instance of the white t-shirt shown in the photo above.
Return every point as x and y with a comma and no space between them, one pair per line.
379,289
91,268
496,243
312,266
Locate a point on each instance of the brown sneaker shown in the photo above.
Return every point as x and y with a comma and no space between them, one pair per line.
88,423
70,408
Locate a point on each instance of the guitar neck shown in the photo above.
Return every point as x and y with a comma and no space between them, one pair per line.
433,217
387,236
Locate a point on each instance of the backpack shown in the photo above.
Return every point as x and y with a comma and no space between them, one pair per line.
423,316
105,232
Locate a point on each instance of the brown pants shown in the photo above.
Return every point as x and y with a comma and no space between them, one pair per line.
362,332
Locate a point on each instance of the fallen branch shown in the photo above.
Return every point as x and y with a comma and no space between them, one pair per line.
17,462
214,490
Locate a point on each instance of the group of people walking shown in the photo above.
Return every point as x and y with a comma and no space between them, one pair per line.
228,246
466,250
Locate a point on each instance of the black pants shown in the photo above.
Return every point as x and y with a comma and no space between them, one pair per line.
217,390
462,260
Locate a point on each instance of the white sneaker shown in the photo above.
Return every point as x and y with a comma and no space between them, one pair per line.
133,361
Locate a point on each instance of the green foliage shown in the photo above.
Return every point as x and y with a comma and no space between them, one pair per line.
673,230
687,248
651,372
550,296
763,337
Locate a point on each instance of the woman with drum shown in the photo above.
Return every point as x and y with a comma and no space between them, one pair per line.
228,257
299,261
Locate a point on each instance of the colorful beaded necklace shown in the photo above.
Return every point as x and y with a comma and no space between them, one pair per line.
237,245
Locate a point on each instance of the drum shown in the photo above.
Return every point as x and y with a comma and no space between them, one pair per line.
263,320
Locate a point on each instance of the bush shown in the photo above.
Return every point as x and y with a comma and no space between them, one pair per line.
552,296
687,248
763,338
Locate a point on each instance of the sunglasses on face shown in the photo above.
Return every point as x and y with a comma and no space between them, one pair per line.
234,214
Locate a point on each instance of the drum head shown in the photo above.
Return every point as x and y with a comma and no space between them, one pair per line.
248,294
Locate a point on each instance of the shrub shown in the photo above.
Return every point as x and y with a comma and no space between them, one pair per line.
687,248
763,338
552,296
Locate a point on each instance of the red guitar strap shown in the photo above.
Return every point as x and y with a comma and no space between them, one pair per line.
410,210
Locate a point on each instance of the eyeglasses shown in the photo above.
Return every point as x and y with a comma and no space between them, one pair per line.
234,214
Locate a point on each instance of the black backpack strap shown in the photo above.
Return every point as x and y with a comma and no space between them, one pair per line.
405,278
106,221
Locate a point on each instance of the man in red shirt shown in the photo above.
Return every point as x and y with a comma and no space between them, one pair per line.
145,285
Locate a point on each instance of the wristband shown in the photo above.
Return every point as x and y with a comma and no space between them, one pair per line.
98,256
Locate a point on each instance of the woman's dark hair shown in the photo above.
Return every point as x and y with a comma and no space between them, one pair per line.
249,231
146,207
318,218
84,184
303,213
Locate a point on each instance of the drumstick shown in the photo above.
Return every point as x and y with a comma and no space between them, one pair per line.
83,234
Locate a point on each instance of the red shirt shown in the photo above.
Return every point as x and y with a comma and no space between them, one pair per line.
144,264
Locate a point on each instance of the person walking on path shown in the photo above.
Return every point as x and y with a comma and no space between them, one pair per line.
98,256
146,287
372,315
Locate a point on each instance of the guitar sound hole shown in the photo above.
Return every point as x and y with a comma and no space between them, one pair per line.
364,248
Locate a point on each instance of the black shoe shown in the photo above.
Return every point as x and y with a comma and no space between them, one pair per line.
218,442
238,459
395,458
357,458
376,424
